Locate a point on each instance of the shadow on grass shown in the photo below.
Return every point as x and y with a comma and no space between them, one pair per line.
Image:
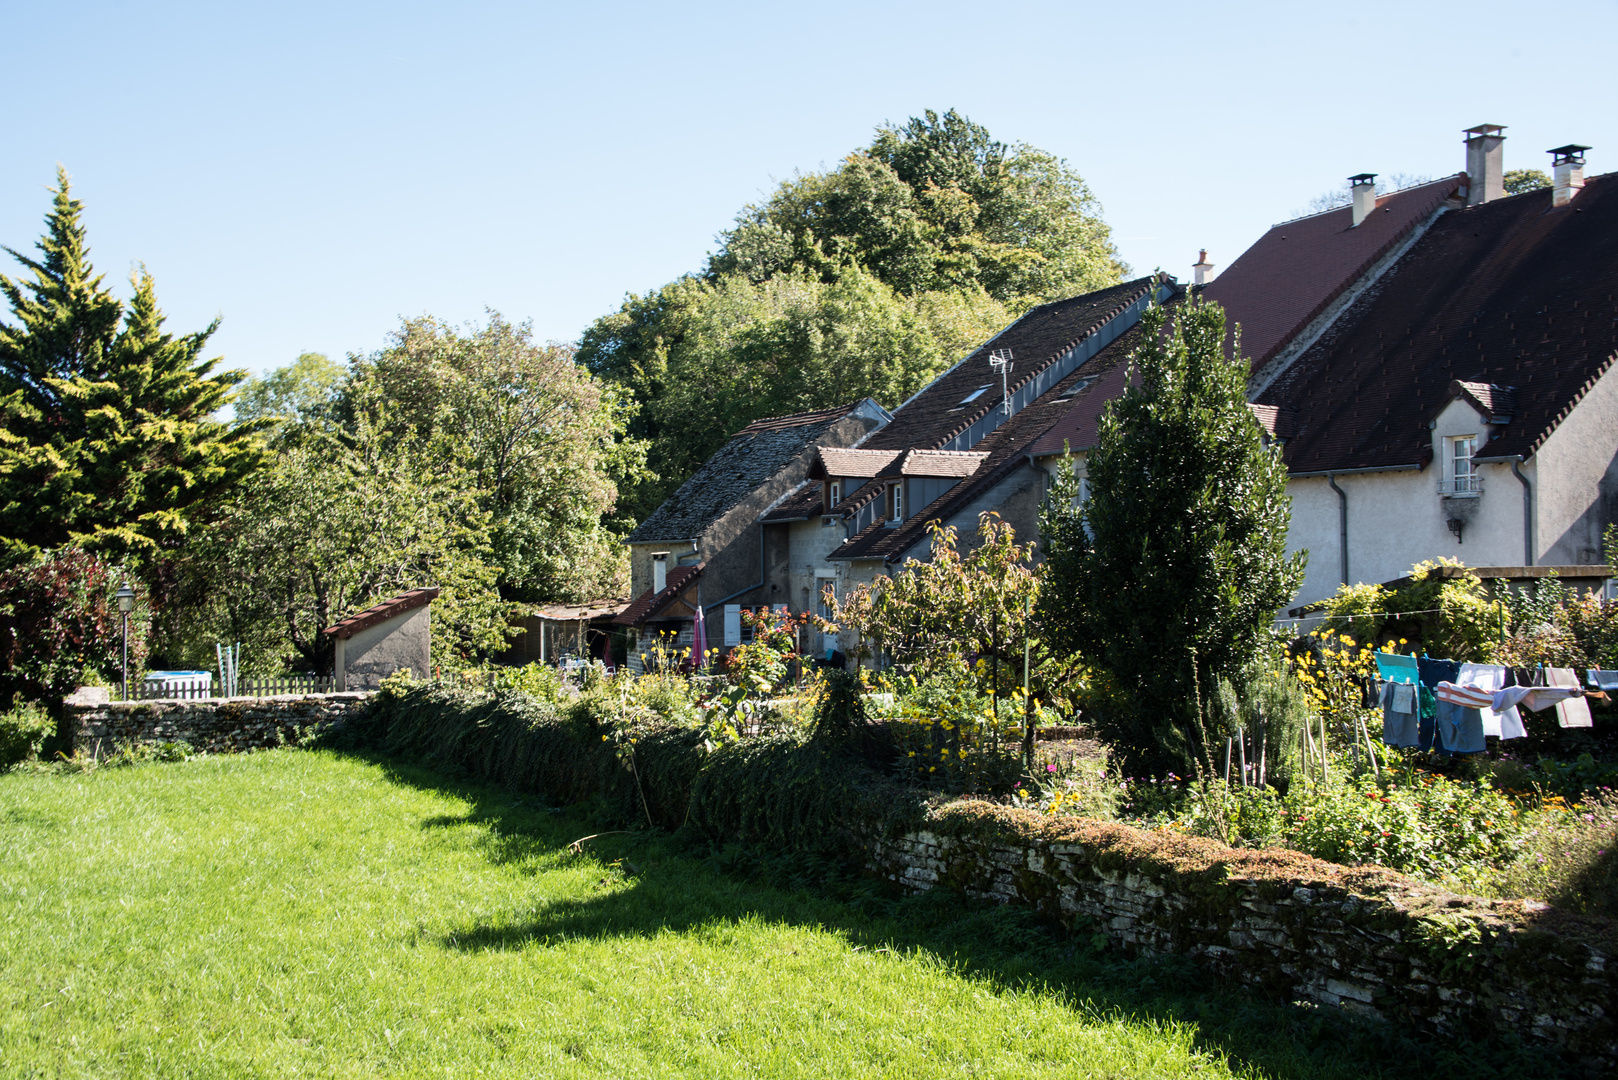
682,884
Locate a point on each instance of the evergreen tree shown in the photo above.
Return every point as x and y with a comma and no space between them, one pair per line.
1168,577
108,435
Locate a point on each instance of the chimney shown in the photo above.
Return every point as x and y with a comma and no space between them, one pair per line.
1484,169
1363,188
660,571
1200,268
1567,167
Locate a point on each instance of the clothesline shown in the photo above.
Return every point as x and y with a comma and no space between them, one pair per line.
1361,615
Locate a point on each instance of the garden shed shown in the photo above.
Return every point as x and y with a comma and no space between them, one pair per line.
548,633
382,640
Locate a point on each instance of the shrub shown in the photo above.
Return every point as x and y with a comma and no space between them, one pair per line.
1444,616
1569,855
947,735
23,730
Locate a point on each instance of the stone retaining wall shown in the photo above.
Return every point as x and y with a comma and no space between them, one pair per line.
1361,939
216,725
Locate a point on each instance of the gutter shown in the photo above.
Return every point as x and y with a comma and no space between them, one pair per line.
1342,521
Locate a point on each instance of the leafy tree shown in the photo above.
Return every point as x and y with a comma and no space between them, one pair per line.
342,520
60,624
538,436
108,437
301,389
1168,577
1518,181
866,280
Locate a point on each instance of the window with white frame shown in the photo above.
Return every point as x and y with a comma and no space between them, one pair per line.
1463,477
897,502
835,495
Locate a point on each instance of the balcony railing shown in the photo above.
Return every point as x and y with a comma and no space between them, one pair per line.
1462,486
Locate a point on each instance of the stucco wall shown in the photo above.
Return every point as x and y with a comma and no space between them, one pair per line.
404,641
1579,494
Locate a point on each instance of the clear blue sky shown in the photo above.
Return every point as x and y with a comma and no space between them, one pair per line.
311,172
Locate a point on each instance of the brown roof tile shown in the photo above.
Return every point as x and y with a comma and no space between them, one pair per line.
1510,294
387,609
1044,335
648,604
1293,272
837,461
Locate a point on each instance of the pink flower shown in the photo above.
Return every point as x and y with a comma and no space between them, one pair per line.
1050,768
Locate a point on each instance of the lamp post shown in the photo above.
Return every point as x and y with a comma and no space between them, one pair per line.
126,604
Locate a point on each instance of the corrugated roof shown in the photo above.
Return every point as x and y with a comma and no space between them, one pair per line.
1293,272
1511,293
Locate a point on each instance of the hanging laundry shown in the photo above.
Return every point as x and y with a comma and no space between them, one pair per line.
1459,717
1432,672
1533,698
1492,677
1604,680
1575,711
1399,727
1396,668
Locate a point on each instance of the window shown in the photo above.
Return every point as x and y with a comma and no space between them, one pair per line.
1079,387
973,396
1463,478
898,503
835,495
825,591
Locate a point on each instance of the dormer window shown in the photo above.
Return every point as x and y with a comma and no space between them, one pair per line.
834,494
1461,477
896,504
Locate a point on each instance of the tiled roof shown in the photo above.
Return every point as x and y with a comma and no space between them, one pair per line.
833,461
753,456
1079,422
935,463
799,504
1277,422
1498,403
1003,450
649,604
1045,334
387,609
1294,271
1512,293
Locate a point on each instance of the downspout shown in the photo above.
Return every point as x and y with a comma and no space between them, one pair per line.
1527,512
1342,520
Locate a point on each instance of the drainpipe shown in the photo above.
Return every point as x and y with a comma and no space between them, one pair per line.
1342,520
1527,512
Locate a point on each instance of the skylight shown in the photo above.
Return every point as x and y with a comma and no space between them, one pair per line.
974,395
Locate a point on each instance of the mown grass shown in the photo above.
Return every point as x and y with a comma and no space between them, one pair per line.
307,914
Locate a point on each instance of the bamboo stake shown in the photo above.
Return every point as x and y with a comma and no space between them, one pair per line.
1325,769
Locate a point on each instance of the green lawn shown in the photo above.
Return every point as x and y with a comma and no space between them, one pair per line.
307,914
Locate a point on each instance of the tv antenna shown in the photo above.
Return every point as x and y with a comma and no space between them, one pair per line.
1000,361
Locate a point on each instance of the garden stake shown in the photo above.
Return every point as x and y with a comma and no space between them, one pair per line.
1325,769
1227,762
1241,747
1027,695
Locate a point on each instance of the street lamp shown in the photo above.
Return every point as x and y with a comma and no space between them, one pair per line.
126,604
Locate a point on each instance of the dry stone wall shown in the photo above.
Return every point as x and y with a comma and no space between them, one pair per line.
216,725
1361,939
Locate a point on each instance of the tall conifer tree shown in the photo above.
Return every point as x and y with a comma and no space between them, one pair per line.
1168,577
108,435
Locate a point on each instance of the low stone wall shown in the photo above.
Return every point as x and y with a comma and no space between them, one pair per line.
1359,938
216,725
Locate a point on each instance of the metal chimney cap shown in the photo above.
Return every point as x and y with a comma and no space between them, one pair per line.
1360,179
1571,154
1484,129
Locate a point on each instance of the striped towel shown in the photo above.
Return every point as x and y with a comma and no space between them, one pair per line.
1470,697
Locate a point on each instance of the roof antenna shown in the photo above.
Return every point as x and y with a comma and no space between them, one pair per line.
1000,361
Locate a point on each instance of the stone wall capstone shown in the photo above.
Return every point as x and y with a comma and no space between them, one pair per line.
1362,939
215,725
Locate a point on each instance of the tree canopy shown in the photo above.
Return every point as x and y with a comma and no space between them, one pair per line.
108,438
862,281
1168,576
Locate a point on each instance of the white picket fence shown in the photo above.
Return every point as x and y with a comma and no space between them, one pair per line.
193,689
